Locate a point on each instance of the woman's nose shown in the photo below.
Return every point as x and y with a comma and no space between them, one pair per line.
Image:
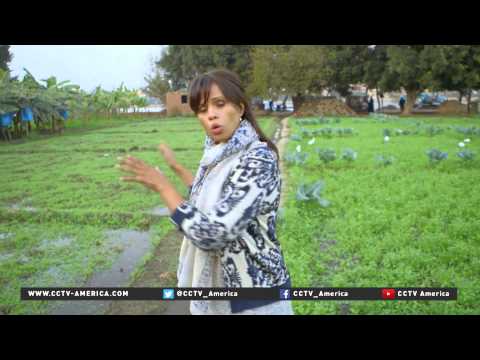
212,114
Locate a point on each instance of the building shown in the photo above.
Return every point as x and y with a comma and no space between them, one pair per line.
177,103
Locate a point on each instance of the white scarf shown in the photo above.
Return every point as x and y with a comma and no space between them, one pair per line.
197,267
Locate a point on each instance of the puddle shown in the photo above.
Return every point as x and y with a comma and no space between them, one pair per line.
58,243
57,276
24,204
4,236
133,246
23,208
5,257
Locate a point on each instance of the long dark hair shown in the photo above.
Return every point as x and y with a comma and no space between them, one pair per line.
231,87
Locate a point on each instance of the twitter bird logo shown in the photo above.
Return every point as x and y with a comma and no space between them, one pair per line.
168,294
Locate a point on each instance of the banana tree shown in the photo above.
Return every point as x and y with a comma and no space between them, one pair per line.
62,96
16,96
9,93
43,101
103,101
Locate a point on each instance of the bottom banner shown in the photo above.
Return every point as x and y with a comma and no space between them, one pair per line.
169,294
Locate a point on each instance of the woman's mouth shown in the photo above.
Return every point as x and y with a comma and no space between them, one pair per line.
217,129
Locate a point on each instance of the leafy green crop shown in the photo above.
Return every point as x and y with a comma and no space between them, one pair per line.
436,156
432,130
309,192
466,155
409,224
297,158
326,155
385,160
318,121
349,155
468,130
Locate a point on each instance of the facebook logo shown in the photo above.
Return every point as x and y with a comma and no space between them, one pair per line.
285,294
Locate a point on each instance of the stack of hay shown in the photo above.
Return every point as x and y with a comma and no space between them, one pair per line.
452,107
325,107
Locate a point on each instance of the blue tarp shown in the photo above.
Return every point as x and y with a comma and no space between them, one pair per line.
64,114
6,119
27,114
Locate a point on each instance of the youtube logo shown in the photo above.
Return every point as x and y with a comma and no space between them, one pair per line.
388,294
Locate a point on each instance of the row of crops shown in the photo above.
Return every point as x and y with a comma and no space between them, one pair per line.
408,219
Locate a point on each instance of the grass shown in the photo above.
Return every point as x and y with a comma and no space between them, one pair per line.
406,225
72,182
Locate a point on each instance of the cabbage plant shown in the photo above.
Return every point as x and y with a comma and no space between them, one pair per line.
312,192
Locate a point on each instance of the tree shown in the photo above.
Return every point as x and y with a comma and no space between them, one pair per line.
295,70
157,86
454,67
345,66
374,69
179,64
46,101
5,57
407,68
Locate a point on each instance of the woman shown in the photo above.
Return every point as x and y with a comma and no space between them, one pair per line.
229,219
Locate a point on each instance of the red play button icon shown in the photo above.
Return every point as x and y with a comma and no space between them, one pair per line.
388,294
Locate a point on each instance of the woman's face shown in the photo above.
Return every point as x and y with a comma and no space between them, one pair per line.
219,117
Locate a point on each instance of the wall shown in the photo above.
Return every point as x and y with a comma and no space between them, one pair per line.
175,106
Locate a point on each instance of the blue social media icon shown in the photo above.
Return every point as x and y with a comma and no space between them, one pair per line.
168,294
285,294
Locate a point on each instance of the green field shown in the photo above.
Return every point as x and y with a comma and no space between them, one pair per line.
409,224
61,194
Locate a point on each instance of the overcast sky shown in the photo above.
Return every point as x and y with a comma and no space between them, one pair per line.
87,65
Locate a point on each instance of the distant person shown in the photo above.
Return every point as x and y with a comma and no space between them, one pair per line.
270,103
402,103
371,107
228,218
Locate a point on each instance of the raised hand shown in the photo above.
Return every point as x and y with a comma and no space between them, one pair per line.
167,154
142,173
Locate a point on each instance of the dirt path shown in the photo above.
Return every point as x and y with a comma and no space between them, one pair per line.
281,144
161,270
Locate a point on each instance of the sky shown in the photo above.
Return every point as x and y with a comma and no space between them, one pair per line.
87,65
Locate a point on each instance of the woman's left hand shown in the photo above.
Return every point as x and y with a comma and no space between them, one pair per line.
144,174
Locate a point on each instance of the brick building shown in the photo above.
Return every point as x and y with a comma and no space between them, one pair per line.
177,103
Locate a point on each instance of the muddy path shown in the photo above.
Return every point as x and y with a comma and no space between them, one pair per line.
159,272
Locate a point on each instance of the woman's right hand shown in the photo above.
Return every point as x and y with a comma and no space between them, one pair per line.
167,154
